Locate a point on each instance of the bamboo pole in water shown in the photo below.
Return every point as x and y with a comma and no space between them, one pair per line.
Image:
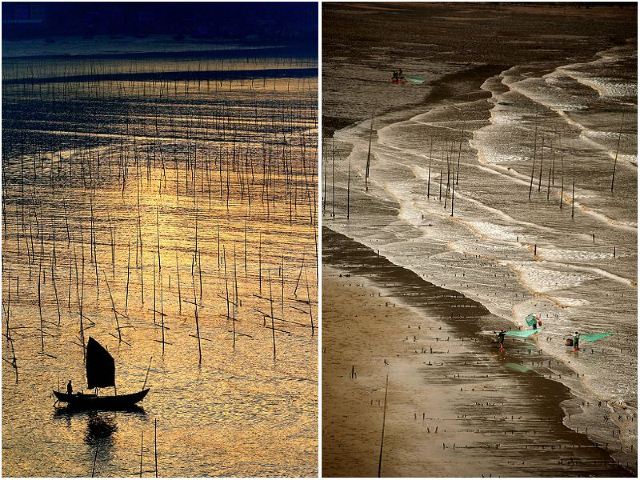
273,328
141,450
430,159
349,190
384,418
366,174
533,163
615,160
155,443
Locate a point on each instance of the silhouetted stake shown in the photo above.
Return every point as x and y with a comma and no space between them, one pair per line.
55,288
95,457
384,419
309,302
541,162
366,174
453,192
236,302
197,319
299,275
440,192
245,248
533,163
40,309
333,178
573,197
147,375
179,288
273,328
155,443
126,291
282,288
324,179
113,249
154,293
430,158
161,308
561,179
349,189
615,160
141,450
459,153
260,260
158,237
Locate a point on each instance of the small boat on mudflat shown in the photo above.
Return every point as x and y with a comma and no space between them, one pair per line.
101,372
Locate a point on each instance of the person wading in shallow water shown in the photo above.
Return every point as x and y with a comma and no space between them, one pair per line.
576,341
69,388
501,335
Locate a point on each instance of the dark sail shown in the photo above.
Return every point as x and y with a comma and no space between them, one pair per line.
101,369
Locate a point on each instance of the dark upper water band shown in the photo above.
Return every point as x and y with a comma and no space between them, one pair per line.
174,76
249,51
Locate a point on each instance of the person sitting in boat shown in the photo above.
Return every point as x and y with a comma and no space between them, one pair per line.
69,388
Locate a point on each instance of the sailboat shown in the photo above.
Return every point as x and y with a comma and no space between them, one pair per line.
101,372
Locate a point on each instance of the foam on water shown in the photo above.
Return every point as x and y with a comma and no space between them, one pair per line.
517,255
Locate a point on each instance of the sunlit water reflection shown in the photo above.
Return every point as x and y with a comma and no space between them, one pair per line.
139,207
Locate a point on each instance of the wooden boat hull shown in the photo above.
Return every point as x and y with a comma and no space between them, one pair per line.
96,402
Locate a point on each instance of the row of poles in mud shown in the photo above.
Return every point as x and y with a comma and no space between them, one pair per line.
63,82
453,172
276,174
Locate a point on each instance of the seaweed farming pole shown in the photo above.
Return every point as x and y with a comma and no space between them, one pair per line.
561,178
309,301
366,173
615,160
453,188
273,327
40,308
384,418
533,164
155,443
349,190
541,161
573,197
430,158
333,179
141,450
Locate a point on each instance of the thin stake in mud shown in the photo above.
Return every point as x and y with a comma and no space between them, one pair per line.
615,160
573,198
533,163
126,291
349,189
333,178
141,450
384,418
155,443
366,173
430,159
273,328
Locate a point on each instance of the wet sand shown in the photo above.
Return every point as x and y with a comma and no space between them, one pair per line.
456,407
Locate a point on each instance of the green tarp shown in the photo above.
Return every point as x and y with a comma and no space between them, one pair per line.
531,320
521,333
415,80
592,337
